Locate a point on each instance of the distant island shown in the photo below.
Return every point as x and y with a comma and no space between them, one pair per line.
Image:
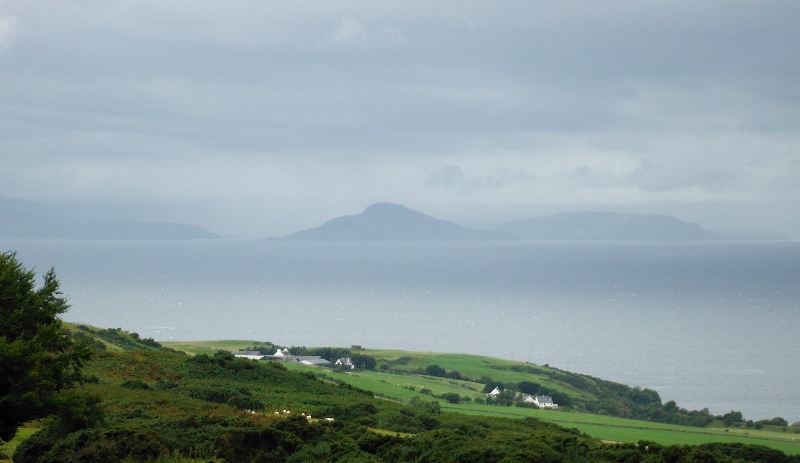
394,222
612,226
383,222
20,219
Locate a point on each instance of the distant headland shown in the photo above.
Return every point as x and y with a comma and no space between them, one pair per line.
394,222
21,219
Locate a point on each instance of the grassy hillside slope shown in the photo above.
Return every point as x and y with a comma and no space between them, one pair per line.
146,402
400,382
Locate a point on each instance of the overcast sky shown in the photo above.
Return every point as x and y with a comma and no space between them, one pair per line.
260,118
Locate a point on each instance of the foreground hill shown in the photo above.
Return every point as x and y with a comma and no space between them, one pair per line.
393,222
466,379
460,382
143,402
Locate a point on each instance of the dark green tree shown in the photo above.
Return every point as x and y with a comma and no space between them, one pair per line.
435,370
731,418
38,357
529,387
643,396
452,397
777,421
363,362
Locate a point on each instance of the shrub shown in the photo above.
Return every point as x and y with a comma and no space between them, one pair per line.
435,370
165,385
451,397
777,421
135,384
405,360
240,398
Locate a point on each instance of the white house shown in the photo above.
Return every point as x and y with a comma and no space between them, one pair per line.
544,401
495,392
345,363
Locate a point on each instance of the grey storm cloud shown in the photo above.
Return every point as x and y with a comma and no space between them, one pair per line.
325,107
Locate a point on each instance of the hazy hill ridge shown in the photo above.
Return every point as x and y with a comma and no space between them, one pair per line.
20,219
612,226
394,222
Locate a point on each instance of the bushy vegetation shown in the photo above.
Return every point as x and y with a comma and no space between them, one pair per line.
777,421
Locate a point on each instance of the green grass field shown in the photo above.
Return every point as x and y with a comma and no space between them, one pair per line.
209,347
7,449
398,387
610,428
625,430
472,366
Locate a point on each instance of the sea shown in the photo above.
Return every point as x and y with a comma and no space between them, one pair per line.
708,324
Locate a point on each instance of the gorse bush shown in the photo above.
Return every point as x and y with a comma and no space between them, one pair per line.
135,384
240,398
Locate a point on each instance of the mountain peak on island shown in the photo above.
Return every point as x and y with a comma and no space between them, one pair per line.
393,222
388,209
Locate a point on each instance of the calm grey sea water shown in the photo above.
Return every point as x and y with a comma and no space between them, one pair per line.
705,324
